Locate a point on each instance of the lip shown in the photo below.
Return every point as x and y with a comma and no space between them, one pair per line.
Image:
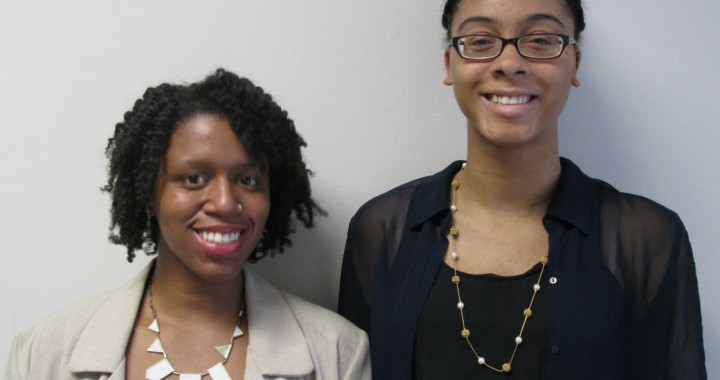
509,104
229,239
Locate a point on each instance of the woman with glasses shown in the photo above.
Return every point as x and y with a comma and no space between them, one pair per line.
513,263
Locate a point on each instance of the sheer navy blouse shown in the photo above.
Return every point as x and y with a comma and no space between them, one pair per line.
622,298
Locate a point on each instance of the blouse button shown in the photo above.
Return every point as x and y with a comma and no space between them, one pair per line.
553,280
554,350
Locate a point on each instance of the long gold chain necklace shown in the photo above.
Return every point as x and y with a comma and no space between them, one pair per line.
164,368
465,333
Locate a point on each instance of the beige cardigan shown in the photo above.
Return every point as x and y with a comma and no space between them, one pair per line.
291,338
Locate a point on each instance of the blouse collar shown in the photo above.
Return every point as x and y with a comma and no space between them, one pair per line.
573,200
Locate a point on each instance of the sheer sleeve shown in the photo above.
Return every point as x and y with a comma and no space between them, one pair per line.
685,332
655,265
373,238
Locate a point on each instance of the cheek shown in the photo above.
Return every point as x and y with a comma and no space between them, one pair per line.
463,82
557,79
258,206
175,208
564,87
468,77
466,91
465,74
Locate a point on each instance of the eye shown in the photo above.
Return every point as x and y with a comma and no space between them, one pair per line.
480,43
248,181
541,40
195,180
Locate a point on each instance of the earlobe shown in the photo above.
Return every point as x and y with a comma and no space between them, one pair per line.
578,55
448,78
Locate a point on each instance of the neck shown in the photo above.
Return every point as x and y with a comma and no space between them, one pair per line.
511,179
183,296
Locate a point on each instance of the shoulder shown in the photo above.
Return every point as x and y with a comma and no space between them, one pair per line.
70,339
270,307
319,322
67,323
642,231
649,234
388,204
301,335
636,207
64,324
50,342
393,204
636,212
338,348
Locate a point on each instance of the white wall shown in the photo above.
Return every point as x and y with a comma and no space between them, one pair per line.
363,82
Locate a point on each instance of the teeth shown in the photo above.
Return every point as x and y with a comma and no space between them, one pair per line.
219,238
510,100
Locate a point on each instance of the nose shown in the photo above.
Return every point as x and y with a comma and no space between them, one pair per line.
221,198
510,63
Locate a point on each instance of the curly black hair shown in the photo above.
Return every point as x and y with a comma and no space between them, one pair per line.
574,6
140,142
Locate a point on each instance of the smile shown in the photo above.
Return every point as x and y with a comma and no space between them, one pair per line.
218,237
509,100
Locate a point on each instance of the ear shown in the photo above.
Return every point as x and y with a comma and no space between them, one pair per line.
578,55
448,77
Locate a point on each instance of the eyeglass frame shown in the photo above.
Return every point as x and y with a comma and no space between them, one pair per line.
566,40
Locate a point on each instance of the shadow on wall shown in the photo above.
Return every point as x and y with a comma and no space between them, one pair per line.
309,269
592,132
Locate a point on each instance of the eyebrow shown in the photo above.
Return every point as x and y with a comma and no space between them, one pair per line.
530,19
200,163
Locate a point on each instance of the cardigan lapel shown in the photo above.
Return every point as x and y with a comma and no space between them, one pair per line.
102,344
277,343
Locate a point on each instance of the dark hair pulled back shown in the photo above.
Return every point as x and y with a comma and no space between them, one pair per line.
574,6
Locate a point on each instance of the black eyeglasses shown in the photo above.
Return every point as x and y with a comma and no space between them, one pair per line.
533,46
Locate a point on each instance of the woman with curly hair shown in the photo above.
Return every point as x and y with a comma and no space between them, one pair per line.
208,176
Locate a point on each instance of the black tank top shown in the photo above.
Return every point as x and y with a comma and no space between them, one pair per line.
493,313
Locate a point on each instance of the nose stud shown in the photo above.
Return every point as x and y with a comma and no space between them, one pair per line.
240,208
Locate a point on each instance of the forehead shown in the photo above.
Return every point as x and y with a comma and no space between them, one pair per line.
204,136
511,15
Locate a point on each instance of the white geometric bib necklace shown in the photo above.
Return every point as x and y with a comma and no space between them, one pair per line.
164,368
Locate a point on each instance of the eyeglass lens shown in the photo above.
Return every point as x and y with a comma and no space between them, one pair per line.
531,46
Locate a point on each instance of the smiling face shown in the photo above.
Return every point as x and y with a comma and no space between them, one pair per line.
211,201
511,100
